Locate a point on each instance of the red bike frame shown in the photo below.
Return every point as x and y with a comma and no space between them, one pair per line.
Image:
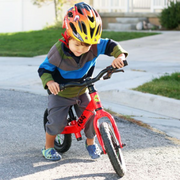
94,105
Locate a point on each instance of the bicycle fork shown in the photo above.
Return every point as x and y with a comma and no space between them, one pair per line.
100,113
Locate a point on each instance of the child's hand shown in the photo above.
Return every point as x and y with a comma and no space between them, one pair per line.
118,62
53,87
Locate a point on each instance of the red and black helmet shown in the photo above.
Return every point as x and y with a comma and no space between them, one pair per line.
83,23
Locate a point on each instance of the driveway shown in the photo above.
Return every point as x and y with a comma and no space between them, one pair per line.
148,155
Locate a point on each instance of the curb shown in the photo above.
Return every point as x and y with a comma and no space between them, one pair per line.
144,101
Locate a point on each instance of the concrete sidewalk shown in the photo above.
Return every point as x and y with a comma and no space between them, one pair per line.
149,57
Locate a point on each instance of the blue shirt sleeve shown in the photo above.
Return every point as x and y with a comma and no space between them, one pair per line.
46,65
101,47
110,47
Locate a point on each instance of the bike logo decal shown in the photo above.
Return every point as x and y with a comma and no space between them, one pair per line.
96,98
81,119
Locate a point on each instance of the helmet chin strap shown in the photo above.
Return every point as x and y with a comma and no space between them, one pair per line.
66,38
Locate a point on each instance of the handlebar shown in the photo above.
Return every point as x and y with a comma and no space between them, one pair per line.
88,81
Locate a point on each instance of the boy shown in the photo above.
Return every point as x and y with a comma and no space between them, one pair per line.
73,59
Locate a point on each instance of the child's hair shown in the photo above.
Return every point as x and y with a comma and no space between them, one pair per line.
67,38
82,43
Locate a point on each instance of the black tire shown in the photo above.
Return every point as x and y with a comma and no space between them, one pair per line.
62,142
112,149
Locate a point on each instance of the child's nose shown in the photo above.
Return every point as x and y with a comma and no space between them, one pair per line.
81,49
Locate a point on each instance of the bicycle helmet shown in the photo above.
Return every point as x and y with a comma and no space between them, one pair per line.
83,23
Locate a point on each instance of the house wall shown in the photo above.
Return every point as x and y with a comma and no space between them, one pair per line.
22,15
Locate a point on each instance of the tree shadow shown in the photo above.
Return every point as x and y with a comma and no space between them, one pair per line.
31,162
22,135
106,176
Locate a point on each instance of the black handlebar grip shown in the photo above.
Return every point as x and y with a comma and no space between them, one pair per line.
62,87
125,63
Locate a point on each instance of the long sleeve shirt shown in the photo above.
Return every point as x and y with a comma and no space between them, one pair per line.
63,66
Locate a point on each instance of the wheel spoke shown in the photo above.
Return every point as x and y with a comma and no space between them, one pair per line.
58,139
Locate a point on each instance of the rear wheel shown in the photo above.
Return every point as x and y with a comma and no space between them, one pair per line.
112,149
62,142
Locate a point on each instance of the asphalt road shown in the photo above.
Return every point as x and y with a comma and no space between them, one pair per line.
149,155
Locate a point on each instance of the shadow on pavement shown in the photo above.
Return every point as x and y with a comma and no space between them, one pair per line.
22,137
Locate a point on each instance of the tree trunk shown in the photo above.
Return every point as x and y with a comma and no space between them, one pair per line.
55,6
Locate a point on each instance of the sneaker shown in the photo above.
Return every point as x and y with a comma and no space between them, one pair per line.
51,154
93,151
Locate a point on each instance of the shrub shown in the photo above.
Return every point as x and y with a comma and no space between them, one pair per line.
170,17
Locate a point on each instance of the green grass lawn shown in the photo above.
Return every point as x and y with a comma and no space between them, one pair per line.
33,43
167,85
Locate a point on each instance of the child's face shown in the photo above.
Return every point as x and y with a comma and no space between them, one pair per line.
77,47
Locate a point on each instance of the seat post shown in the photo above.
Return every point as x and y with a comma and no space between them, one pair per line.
71,114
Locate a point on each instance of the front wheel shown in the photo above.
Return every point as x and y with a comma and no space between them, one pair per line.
112,149
62,142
